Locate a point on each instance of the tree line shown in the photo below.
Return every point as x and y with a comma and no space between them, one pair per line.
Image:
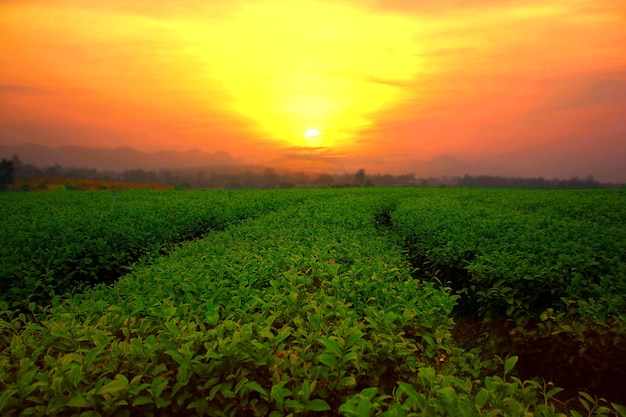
259,177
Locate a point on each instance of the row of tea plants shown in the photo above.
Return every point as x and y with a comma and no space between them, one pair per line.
56,241
548,267
308,305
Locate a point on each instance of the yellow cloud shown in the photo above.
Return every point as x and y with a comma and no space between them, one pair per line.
291,65
265,71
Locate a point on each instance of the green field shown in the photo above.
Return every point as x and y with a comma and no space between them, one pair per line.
351,302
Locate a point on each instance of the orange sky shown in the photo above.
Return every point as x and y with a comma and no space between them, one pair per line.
387,83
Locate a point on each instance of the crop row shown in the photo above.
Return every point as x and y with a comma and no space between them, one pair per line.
57,241
309,309
313,302
548,268
517,253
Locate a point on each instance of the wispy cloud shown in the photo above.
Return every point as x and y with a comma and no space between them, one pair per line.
21,89
590,89
386,81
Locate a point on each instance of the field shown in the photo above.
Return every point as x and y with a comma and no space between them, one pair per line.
351,302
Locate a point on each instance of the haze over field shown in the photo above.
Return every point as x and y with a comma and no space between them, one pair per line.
514,87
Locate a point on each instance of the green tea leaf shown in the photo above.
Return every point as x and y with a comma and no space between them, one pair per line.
369,392
79,401
157,386
5,397
112,387
353,338
92,355
621,410
173,328
318,405
254,386
180,359
328,360
554,391
364,409
332,346
481,398
294,405
142,400
279,393
350,356
510,363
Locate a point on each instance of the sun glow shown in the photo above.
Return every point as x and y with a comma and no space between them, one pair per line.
383,82
313,138
316,69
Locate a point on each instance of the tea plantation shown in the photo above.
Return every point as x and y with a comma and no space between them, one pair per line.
338,302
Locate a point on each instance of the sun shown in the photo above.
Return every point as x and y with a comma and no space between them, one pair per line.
312,138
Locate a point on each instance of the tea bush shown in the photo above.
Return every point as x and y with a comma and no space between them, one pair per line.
547,268
303,302
55,241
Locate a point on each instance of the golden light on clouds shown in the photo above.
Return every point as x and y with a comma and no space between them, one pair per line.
281,65
287,65
384,82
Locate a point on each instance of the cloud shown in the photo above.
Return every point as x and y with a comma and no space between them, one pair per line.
565,109
21,89
55,134
387,82
434,8
599,155
428,6
168,10
590,89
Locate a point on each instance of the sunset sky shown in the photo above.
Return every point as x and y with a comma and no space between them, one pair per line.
535,86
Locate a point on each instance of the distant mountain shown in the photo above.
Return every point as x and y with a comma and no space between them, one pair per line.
455,166
604,158
117,159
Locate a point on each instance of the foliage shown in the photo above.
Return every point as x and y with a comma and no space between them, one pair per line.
7,172
517,253
52,242
546,269
292,302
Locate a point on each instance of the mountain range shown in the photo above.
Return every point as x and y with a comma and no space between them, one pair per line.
605,164
117,159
